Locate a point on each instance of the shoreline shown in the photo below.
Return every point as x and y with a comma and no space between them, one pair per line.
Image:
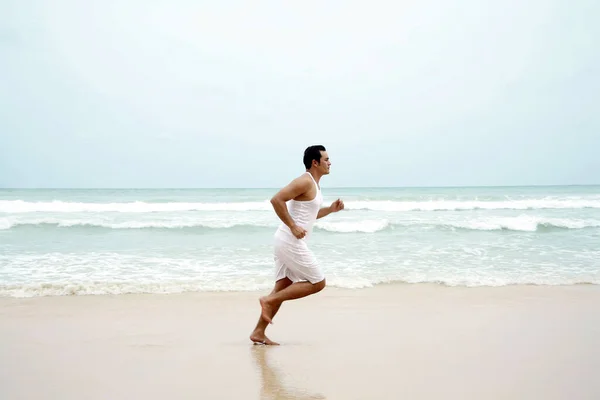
258,292
398,285
330,292
416,341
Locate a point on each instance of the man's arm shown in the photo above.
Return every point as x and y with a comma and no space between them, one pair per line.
323,212
296,188
334,207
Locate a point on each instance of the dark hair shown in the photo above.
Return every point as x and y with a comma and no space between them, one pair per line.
312,153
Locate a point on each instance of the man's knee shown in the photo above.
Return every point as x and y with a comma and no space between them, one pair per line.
319,286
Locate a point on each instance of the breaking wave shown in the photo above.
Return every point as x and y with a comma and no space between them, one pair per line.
449,205
523,223
20,206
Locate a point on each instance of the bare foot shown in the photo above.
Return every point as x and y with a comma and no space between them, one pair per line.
267,310
261,338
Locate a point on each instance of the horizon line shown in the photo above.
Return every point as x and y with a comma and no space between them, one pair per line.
266,187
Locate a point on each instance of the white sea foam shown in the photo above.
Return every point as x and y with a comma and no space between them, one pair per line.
365,226
118,288
6,223
91,273
519,223
523,223
448,205
20,206
495,281
75,288
11,222
72,247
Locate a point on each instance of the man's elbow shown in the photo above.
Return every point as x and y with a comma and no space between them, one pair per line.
277,201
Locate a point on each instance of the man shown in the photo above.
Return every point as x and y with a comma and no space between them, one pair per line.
298,273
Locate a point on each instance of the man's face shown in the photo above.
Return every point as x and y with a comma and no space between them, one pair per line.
325,164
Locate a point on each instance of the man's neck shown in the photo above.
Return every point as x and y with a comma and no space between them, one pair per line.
315,175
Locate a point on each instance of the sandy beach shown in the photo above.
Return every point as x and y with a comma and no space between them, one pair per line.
388,342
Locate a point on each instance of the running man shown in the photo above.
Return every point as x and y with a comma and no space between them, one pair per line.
298,273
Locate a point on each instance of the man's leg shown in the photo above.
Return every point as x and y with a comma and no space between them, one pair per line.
271,303
258,334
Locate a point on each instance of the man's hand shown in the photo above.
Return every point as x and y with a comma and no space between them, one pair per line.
337,206
298,231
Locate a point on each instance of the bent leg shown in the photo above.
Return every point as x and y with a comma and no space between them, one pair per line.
258,334
301,262
271,303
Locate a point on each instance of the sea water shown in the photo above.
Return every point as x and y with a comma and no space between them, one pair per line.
76,242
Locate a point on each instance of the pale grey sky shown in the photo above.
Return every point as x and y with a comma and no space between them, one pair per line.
228,94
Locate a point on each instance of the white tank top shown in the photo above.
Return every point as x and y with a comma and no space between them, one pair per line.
304,213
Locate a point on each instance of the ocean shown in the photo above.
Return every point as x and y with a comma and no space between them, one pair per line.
118,241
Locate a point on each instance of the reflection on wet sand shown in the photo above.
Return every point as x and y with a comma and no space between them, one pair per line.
272,386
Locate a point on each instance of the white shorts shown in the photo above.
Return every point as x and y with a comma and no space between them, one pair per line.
294,260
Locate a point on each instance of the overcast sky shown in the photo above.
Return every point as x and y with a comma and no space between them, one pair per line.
228,94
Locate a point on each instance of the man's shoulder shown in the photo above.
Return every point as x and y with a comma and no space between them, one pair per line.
305,177
302,182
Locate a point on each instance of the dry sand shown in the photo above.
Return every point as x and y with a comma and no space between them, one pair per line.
388,342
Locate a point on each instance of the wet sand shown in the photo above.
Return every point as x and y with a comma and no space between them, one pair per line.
388,342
